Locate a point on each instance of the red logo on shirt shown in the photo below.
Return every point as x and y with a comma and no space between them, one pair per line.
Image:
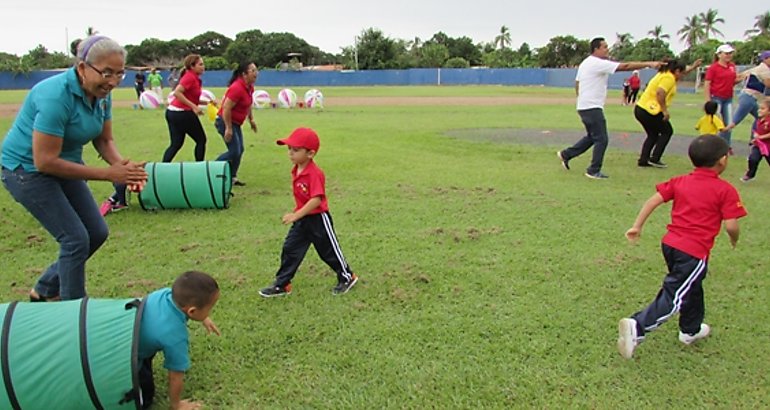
303,187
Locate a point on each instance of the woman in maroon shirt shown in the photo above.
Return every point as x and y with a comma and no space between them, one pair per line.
720,81
182,114
235,108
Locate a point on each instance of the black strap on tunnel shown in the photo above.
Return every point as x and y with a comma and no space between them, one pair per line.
211,186
4,356
84,355
134,394
181,183
155,187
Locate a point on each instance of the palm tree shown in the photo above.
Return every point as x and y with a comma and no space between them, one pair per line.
709,20
503,39
90,31
658,34
691,32
761,26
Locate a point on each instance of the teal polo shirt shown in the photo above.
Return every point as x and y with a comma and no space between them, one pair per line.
56,106
164,328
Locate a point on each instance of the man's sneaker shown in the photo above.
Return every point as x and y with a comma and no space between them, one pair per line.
627,337
343,287
746,178
273,291
690,339
657,164
597,175
238,182
564,162
643,164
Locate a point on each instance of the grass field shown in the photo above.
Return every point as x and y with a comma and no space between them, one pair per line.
490,276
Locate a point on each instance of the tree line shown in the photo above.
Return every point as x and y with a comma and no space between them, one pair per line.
374,50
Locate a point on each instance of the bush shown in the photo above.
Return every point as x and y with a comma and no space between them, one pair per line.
457,62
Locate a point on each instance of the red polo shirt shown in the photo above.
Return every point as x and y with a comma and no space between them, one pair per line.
701,202
722,79
307,185
240,94
635,82
192,90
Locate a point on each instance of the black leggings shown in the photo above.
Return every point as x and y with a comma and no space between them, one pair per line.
179,124
632,95
659,133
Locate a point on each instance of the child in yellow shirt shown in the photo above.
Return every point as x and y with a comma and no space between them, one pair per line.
710,123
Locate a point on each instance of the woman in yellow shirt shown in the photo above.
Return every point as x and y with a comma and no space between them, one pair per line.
652,111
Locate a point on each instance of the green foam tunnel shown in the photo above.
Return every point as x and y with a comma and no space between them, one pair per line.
77,354
185,185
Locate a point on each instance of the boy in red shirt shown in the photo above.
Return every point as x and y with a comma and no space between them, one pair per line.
311,220
701,202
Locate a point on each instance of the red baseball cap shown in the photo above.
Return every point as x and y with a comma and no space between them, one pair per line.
302,138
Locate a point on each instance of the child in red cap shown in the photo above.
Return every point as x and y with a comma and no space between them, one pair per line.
311,220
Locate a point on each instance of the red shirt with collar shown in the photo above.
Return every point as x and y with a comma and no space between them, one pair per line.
702,201
192,90
722,79
309,184
241,95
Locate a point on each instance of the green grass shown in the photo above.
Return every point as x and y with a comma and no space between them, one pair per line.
490,277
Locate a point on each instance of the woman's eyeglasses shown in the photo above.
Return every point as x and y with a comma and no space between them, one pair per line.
108,74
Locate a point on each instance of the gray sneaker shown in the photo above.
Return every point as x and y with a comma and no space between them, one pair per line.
690,339
627,337
597,175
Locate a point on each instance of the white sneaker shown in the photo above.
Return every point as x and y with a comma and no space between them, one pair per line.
690,339
627,338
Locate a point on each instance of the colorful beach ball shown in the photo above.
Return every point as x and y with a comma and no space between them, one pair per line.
314,99
261,99
149,100
287,98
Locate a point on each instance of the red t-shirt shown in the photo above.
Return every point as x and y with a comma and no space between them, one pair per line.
307,185
240,94
635,82
192,90
701,202
722,79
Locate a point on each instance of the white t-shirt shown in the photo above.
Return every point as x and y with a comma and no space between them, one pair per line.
592,76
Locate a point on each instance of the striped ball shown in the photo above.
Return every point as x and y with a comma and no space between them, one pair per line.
314,99
149,100
206,97
261,99
287,98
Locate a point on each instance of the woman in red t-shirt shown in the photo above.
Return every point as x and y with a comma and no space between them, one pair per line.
182,114
635,83
235,108
720,81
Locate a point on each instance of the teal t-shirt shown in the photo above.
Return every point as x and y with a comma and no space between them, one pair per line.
56,106
164,328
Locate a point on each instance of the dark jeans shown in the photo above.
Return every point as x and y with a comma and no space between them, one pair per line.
755,157
682,291
659,133
179,124
317,229
596,136
235,147
67,210
632,96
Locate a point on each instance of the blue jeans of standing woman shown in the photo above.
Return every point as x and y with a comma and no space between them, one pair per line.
746,105
67,210
234,147
725,109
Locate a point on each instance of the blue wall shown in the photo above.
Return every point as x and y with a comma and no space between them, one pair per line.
552,77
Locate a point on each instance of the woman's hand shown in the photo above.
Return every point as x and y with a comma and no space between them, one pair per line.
228,135
128,172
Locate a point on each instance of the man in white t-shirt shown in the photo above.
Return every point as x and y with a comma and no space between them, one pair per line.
591,89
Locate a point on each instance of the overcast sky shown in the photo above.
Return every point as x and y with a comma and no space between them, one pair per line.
333,24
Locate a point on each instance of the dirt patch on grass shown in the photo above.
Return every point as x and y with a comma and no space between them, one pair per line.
563,138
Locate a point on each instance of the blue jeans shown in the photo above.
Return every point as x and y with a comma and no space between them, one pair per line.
67,210
746,105
596,136
234,147
725,109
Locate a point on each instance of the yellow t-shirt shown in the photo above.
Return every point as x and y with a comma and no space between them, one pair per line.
649,99
709,125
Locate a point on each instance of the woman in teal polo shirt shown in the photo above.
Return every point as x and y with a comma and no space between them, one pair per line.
42,161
